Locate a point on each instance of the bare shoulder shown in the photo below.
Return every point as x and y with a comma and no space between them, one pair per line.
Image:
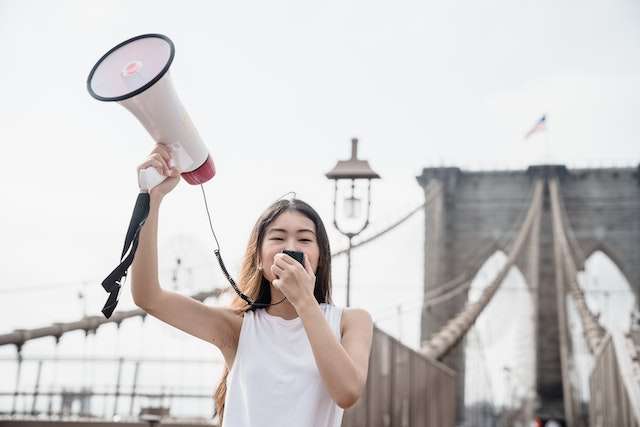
355,318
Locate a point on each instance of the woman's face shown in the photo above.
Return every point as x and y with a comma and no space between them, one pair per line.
292,231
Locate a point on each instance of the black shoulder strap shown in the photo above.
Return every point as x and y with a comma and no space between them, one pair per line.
115,279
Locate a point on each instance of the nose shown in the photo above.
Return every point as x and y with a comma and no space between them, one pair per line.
291,245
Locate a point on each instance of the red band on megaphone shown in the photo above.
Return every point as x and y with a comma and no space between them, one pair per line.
202,174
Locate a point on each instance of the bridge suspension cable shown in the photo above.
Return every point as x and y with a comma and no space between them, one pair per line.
462,282
430,197
87,323
593,331
444,340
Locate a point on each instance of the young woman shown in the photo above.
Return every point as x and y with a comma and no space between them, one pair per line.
298,362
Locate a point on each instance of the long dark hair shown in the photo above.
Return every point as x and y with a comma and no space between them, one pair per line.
257,287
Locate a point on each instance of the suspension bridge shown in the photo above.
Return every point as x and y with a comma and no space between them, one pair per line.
547,220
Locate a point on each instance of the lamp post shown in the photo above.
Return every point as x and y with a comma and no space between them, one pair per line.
352,169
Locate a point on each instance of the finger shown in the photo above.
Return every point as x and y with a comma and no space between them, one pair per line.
163,150
307,265
279,261
163,157
160,157
165,165
161,168
284,264
276,269
276,283
153,163
286,258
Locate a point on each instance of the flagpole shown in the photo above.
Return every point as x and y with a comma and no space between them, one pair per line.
547,131
547,152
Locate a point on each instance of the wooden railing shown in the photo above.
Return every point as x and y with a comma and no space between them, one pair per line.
404,388
615,384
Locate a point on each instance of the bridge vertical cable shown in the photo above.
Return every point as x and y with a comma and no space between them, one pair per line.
593,331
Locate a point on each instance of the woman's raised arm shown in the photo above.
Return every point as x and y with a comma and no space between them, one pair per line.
217,325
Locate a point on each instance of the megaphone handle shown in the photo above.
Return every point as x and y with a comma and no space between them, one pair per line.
149,178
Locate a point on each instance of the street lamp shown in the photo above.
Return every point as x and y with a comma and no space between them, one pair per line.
352,169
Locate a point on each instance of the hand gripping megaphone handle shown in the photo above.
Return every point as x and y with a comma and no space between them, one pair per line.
149,178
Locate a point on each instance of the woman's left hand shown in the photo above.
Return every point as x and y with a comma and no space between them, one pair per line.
293,280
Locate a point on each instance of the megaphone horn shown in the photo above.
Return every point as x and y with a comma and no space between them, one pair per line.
135,73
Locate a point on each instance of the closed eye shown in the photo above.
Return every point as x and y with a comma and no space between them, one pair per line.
280,239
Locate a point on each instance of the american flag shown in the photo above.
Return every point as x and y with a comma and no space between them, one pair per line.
538,127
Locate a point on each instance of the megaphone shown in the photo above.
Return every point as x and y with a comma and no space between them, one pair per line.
135,73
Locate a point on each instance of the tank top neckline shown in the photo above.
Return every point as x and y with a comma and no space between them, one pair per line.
285,322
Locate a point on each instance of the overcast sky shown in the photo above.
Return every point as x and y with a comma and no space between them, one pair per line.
277,89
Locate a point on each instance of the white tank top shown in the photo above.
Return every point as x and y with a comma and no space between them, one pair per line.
274,380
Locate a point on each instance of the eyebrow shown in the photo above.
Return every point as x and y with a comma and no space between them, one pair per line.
282,230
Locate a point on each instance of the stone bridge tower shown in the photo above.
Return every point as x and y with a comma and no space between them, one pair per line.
474,214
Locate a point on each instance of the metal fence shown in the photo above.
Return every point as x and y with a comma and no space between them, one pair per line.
614,383
404,389
59,388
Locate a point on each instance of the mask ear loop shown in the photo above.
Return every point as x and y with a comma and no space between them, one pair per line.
244,297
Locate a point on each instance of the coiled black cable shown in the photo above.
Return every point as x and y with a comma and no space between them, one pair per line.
244,297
